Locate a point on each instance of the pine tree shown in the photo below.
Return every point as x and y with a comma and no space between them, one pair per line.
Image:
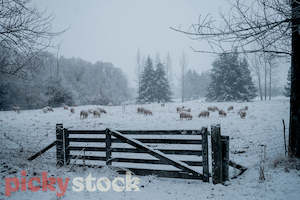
231,80
146,92
287,88
161,83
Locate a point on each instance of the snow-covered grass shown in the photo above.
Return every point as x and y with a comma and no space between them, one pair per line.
23,134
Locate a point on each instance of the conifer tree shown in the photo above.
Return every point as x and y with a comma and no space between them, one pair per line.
231,80
161,83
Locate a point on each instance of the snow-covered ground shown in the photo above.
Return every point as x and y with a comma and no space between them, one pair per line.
23,134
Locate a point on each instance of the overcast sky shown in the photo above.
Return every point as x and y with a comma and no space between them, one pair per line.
113,30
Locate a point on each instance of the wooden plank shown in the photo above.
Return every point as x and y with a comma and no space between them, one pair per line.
216,154
152,161
132,150
225,158
143,140
159,132
161,173
138,132
42,151
80,157
87,132
108,141
155,153
73,148
66,145
205,155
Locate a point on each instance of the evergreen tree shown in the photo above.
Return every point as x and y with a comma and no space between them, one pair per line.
161,83
147,88
231,80
287,88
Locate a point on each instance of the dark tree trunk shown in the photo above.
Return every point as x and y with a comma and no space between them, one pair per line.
294,132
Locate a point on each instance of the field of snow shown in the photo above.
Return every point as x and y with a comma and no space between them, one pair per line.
23,134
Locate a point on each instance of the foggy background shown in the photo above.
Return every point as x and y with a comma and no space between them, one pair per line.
113,31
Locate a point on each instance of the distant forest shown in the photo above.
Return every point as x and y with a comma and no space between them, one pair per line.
46,80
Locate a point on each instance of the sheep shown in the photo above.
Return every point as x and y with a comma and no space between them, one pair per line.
83,114
140,110
179,109
147,112
222,113
186,110
203,114
187,116
101,110
96,113
213,109
16,109
48,109
230,108
72,110
242,114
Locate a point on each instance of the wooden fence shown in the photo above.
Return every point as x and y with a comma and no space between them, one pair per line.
74,145
103,141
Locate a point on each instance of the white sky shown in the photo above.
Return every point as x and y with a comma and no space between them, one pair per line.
113,30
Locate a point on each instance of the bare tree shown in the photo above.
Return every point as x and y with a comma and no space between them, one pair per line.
256,68
24,32
260,26
183,64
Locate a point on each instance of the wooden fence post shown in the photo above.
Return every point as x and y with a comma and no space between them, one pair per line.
225,158
205,155
216,154
66,146
108,147
59,145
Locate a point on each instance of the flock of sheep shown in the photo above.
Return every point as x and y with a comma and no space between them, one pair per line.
184,113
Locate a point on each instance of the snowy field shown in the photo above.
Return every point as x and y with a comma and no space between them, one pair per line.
23,134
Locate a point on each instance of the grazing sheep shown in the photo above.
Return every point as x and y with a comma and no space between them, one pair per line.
230,108
140,110
48,109
16,109
213,109
242,114
66,108
101,110
187,116
179,109
72,110
204,114
147,112
186,110
83,114
222,113
96,113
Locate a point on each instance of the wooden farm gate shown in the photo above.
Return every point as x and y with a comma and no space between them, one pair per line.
141,152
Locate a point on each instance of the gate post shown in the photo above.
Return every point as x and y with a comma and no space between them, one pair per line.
59,145
216,146
66,144
225,158
205,154
108,147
